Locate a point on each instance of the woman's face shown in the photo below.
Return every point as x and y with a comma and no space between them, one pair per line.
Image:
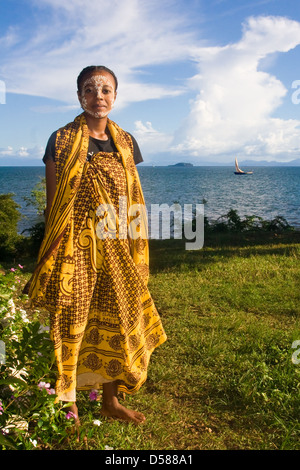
97,95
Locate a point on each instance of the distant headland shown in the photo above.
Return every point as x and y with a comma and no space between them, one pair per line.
182,164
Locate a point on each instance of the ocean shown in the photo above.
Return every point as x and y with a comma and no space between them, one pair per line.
267,193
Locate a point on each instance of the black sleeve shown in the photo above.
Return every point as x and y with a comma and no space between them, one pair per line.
50,148
136,151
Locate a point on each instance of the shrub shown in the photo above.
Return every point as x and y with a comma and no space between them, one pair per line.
232,222
29,416
37,197
9,218
36,235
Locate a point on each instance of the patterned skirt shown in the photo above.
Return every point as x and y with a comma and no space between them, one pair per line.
108,328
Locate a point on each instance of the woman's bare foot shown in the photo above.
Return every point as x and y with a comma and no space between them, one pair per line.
113,409
116,410
72,411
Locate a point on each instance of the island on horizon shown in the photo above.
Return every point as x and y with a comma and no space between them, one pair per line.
182,164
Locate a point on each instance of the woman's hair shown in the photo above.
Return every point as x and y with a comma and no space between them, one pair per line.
93,68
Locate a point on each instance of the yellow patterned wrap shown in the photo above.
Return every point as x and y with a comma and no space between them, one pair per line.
103,321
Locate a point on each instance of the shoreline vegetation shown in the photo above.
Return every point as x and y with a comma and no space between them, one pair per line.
226,379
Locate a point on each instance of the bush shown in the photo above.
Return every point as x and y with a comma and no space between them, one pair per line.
13,244
9,218
232,222
36,235
37,197
29,416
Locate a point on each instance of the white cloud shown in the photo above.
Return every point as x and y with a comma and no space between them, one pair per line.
8,153
151,140
235,100
125,36
45,109
10,38
234,103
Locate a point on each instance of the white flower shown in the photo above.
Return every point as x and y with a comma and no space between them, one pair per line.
12,306
16,422
44,328
24,316
42,385
108,448
33,442
96,422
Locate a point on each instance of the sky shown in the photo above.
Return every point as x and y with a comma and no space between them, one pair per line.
200,81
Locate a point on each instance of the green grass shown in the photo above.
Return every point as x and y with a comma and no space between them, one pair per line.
225,378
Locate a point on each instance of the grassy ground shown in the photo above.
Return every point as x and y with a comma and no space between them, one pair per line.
225,378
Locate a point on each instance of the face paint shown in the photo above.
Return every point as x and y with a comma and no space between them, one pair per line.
97,96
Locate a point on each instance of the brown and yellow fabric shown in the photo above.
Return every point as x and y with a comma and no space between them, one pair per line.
103,321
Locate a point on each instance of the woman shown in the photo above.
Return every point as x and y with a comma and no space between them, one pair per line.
103,321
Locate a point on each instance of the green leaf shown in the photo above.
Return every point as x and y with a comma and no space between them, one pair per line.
7,442
12,380
5,296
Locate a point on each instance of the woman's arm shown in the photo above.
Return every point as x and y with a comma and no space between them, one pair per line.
50,185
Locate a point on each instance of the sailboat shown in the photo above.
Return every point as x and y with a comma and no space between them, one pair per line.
238,171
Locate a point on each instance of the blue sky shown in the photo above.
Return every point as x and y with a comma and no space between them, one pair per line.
200,81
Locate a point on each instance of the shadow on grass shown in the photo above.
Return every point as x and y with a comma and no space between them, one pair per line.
170,254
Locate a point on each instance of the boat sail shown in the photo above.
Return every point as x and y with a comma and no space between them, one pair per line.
238,171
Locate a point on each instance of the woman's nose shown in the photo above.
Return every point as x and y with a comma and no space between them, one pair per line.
99,93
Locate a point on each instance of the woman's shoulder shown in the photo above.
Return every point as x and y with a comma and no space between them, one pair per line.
60,131
50,148
59,136
128,137
136,150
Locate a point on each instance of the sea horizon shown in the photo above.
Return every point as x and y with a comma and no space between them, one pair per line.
268,193
172,165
